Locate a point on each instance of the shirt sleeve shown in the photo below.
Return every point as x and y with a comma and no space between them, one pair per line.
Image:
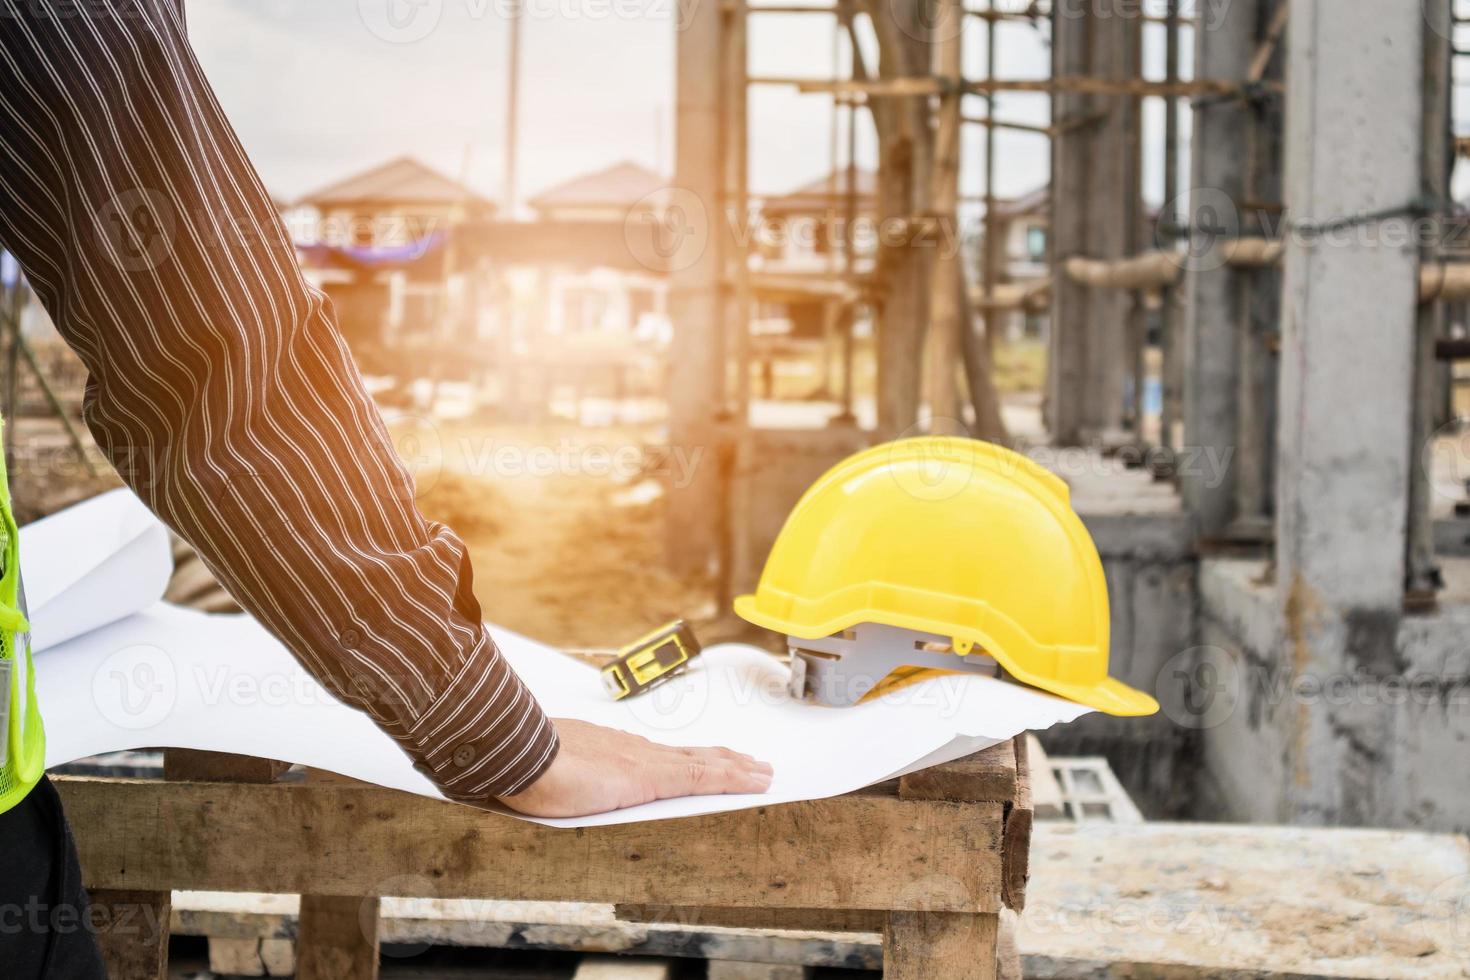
223,393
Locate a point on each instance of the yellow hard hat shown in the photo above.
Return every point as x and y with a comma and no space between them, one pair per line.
956,537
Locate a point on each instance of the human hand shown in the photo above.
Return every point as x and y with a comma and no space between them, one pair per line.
599,769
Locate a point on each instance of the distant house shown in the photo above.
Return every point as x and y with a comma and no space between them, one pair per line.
798,256
614,193
1024,228
393,204
376,242
589,289
803,230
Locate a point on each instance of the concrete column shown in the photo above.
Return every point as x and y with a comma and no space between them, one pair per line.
1422,576
1223,50
1096,213
1068,341
694,233
1353,132
1260,312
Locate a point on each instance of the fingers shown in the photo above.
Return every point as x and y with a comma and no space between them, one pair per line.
728,755
706,772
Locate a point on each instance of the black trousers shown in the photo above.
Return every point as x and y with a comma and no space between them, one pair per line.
47,929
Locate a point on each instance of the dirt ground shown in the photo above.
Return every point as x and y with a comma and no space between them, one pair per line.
564,528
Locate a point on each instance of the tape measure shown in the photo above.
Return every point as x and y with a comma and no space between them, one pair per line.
650,660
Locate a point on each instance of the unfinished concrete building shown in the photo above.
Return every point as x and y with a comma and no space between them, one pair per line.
1286,569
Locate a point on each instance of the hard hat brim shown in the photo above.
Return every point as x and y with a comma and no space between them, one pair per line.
1110,696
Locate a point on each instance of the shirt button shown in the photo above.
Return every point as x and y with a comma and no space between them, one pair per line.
350,639
464,755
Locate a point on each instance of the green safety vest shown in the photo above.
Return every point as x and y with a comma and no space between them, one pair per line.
22,739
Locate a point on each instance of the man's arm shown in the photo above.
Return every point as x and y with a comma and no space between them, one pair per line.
222,392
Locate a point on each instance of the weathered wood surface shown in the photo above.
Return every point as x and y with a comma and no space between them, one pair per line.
812,920
988,775
952,945
132,931
1002,774
339,938
861,850
960,945
338,933
194,765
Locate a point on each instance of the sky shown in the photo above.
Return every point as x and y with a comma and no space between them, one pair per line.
321,89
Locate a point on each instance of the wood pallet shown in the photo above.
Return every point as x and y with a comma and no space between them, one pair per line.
929,860
1105,902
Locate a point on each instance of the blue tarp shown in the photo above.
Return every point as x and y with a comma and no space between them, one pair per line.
376,257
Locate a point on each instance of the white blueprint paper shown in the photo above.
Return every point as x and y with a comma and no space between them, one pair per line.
91,565
173,677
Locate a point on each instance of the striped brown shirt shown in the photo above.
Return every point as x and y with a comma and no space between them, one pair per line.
222,391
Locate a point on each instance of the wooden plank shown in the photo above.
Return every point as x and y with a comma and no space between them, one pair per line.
339,938
999,773
946,274
928,945
338,933
1267,48
988,775
134,937
133,931
196,765
344,840
801,920
1016,851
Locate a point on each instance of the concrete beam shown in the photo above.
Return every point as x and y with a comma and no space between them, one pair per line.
1353,138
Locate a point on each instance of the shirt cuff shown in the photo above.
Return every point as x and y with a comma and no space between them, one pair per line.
484,736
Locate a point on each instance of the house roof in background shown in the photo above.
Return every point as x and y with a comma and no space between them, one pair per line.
403,180
1037,201
816,195
621,185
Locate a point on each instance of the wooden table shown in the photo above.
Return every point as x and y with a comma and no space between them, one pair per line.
930,860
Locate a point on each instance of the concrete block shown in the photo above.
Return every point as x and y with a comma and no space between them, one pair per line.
623,968
252,957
